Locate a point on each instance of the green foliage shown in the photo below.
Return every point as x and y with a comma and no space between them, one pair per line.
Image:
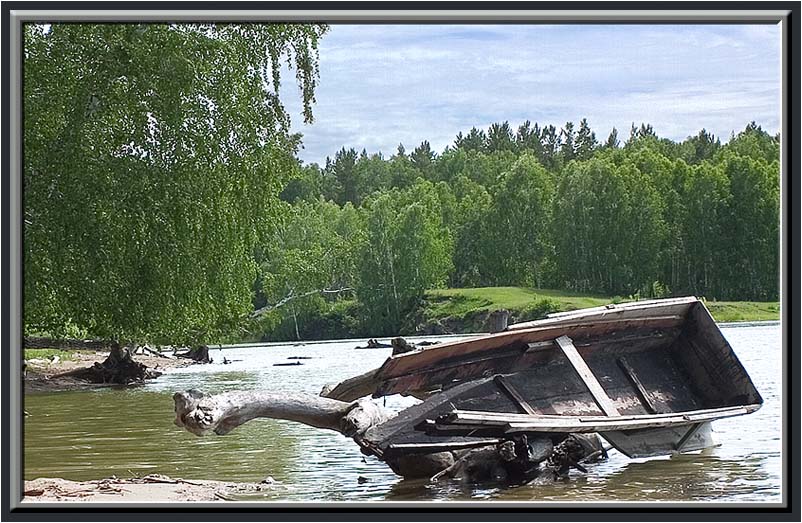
608,227
163,202
515,251
406,252
154,156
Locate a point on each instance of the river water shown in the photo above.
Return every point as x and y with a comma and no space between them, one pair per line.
95,434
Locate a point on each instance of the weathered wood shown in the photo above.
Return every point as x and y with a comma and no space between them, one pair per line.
199,354
119,368
622,311
471,358
510,459
659,441
688,435
156,353
642,392
439,447
514,394
352,388
509,423
401,346
601,397
710,364
201,414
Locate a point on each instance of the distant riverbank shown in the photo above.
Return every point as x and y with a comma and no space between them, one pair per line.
466,310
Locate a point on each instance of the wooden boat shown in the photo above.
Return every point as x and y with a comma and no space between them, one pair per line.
648,376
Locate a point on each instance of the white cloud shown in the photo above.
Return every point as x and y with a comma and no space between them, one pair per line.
381,85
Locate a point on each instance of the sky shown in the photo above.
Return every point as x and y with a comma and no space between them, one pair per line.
381,85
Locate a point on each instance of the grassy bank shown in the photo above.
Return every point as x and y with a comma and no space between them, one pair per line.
471,305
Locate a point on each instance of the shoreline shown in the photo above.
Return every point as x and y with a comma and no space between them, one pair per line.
149,489
42,374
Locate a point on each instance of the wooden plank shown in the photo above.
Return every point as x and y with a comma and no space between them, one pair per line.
468,420
514,417
595,388
439,447
514,394
659,441
643,394
688,435
413,362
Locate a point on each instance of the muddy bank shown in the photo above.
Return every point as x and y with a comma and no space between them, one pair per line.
152,488
39,373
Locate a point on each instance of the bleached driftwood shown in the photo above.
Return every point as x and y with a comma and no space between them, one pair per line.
201,414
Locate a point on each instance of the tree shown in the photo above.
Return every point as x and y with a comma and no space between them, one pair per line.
707,195
752,229
405,253
528,138
607,227
519,225
343,170
585,141
154,157
474,141
306,184
703,146
500,138
612,140
568,147
311,257
422,157
551,147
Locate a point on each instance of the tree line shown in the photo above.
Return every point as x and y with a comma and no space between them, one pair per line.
536,207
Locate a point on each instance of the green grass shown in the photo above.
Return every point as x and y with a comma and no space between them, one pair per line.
725,311
46,354
459,302
523,303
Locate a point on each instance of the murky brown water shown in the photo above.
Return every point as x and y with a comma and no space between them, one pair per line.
96,434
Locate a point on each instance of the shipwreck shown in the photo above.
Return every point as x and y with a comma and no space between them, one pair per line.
531,401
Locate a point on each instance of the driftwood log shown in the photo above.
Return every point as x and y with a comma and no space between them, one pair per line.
118,368
515,460
199,354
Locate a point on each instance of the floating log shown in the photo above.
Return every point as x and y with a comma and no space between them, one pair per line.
374,344
292,364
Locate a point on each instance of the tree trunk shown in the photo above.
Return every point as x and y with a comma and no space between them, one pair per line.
199,354
118,368
201,414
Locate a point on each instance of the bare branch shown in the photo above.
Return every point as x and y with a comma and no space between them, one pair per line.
291,296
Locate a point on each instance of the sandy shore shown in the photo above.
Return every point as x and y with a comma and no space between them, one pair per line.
152,488
40,372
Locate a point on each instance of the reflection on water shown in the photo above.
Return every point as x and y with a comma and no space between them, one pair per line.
94,434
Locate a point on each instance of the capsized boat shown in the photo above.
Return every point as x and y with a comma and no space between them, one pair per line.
648,376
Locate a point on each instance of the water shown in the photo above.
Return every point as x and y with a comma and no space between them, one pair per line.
95,434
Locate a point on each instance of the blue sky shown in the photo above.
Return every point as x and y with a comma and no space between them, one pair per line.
382,85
